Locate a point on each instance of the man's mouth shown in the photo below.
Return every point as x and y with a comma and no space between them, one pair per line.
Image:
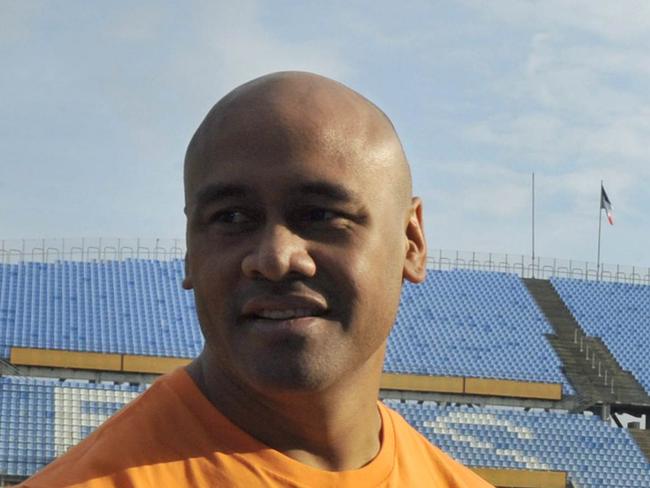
292,308
286,314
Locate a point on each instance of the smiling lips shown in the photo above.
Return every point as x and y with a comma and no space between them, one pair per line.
284,307
285,314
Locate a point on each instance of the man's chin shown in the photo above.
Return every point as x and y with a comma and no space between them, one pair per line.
291,376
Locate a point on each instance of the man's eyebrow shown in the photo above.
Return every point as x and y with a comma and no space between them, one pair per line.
219,191
332,191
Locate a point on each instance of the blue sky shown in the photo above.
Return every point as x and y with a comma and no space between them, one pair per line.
99,99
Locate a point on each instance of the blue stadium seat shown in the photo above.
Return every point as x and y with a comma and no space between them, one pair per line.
40,419
592,452
464,323
108,306
473,323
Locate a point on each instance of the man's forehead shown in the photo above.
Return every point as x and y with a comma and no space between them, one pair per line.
287,117
330,190
284,124
292,161
273,180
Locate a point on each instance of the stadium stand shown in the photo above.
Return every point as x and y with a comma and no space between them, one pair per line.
472,323
463,340
40,418
458,323
135,306
618,313
593,453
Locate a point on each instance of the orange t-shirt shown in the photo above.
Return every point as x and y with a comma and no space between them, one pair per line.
172,436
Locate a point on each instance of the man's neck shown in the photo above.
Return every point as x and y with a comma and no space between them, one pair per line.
335,429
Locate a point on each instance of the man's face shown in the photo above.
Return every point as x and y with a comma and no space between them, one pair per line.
296,249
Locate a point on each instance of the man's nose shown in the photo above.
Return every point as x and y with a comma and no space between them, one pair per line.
278,253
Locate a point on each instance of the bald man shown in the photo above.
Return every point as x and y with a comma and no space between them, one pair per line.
301,229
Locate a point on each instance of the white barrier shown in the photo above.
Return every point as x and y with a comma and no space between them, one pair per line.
103,249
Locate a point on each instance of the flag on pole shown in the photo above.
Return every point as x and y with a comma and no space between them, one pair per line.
606,204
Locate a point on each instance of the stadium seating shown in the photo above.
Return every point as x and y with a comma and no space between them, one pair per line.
40,419
129,307
462,323
457,323
592,452
473,323
618,313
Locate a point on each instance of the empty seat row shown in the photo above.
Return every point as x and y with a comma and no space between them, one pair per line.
130,307
473,323
594,453
42,418
458,323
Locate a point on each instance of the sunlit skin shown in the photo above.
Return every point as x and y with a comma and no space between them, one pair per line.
300,231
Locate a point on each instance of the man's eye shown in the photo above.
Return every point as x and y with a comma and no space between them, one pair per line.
320,215
230,217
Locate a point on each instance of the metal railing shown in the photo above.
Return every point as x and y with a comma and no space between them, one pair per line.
100,249
581,341
540,267
89,249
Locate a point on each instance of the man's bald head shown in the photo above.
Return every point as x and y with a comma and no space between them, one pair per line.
298,198
288,112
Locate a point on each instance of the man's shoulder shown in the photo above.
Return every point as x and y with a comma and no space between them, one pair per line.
416,455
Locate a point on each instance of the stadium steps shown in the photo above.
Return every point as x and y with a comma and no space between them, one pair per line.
642,438
580,370
626,386
575,369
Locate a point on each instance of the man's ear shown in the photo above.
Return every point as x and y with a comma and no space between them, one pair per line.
187,280
415,262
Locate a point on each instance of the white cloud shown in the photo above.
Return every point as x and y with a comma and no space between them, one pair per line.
622,21
575,109
490,191
491,90
231,45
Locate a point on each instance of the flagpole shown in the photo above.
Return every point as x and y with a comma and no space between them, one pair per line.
533,234
600,224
